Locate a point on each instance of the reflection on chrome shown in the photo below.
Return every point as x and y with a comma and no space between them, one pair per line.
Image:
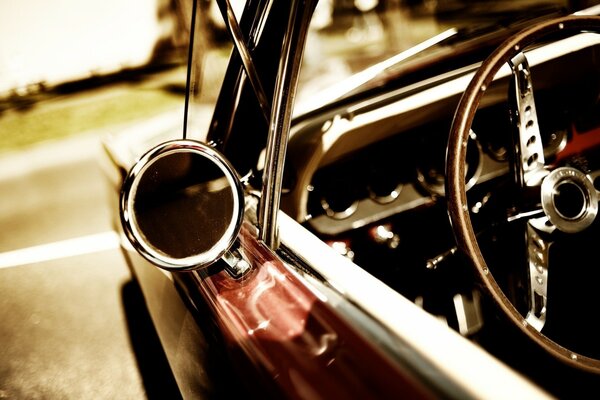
594,177
339,214
569,199
387,198
538,250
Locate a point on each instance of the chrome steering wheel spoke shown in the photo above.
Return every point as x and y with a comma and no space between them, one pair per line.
529,162
539,231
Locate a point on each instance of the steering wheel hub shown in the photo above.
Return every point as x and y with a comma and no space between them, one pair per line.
569,199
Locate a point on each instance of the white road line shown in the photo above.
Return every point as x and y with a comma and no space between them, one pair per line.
63,249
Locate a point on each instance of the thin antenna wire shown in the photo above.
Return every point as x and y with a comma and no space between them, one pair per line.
188,81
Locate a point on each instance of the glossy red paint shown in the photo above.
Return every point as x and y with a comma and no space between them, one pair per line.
298,339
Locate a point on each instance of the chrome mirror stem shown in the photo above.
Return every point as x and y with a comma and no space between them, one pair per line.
529,151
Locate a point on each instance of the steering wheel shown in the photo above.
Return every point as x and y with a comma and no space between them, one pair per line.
565,199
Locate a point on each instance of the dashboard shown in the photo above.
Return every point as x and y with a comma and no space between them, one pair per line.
397,175
385,156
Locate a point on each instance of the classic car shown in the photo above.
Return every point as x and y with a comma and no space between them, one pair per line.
425,228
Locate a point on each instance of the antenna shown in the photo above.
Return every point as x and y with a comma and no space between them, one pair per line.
190,63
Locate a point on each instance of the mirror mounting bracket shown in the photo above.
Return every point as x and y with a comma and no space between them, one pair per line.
235,263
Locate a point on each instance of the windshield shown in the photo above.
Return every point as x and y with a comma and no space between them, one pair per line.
355,45
377,39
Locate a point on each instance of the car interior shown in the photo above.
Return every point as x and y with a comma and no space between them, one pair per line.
368,178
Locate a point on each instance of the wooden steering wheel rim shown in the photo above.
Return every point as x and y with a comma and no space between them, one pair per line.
455,172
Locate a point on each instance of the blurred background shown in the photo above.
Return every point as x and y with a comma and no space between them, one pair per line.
72,72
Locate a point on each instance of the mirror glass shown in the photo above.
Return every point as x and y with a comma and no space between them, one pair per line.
181,205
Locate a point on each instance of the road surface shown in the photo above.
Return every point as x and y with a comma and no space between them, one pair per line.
73,323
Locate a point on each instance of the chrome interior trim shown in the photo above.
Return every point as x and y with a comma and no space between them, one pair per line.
538,254
475,156
588,196
390,197
528,147
595,179
338,214
368,210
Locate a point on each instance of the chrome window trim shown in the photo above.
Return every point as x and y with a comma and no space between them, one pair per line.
467,367
281,118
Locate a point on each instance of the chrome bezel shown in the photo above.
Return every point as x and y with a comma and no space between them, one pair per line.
592,177
588,212
130,226
470,181
339,215
391,197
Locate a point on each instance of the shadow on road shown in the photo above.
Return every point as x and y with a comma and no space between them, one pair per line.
156,374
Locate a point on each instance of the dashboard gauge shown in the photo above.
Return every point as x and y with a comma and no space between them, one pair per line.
337,210
431,166
385,194
384,184
339,199
497,151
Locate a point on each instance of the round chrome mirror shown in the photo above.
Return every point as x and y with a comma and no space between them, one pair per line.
182,205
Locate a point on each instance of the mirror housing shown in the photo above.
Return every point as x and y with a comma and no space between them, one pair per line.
182,205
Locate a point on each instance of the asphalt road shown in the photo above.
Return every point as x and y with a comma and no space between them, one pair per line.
74,325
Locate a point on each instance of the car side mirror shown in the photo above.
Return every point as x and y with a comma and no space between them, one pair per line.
182,205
